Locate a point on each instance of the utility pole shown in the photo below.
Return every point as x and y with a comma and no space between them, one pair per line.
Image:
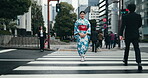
106,29
48,21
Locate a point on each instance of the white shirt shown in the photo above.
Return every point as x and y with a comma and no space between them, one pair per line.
41,33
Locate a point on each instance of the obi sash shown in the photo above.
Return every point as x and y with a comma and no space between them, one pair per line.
82,27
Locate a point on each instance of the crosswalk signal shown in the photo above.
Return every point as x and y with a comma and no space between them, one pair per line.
124,11
58,8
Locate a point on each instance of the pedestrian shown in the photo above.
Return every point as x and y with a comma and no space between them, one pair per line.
94,39
131,24
82,32
42,37
100,37
112,36
107,41
122,44
115,40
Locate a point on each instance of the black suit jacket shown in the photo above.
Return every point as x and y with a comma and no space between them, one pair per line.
44,35
94,36
131,24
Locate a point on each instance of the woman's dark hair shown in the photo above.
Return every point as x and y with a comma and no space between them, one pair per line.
82,12
131,7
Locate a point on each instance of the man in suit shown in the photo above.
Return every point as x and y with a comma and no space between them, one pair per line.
94,38
131,24
42,37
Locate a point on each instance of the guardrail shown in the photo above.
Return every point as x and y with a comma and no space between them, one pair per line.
19,42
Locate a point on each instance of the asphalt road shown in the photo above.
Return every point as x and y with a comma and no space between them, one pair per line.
13,59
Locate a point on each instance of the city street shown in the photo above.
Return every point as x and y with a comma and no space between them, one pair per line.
42,38
65,63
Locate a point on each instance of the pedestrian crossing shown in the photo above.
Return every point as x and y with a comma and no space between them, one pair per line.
67,64
7,50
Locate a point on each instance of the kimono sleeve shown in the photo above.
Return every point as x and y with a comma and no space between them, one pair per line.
89,28
76,30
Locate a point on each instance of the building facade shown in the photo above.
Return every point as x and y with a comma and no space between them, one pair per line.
103,13
94,14
109,10
93,2
113,16
24,22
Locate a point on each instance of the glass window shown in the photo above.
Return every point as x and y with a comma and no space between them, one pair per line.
18,22
143,22
142,6
139,1
142,0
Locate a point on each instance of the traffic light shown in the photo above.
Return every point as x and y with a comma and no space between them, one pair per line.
124,11
58,7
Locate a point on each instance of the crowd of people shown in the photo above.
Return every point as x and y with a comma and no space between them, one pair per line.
110,39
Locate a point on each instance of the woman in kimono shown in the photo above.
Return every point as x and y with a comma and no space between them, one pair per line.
82,31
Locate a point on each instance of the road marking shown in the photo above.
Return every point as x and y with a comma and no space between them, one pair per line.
54,64
86,62
90,56
16,59
141,75
28,68
98,59
7,50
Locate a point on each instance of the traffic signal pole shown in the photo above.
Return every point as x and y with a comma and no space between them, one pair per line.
120,18
106,23
48,21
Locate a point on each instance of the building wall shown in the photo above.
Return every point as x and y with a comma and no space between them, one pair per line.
102,12
94,12
24,21
93,2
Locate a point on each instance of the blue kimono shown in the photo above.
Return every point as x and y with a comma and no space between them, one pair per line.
82,43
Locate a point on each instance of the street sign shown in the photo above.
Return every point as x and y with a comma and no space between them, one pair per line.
105,26
104,20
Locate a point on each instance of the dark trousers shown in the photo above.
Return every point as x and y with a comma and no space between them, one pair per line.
115,42
107,43
94,46
100,43
134,41
112,44
42,43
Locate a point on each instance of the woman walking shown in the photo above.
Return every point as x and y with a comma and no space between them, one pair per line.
82,31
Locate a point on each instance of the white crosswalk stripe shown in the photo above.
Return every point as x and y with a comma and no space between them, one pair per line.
67,64
7,50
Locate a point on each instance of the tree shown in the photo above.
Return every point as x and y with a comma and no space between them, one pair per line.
65,21
9,23
37,18
10,9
